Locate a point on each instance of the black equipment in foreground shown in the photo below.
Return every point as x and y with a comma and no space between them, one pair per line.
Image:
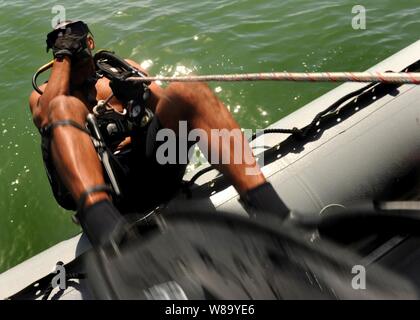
191,254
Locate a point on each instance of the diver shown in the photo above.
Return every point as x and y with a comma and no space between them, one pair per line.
60,109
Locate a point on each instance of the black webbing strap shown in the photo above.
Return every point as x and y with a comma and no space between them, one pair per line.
47,130
88,191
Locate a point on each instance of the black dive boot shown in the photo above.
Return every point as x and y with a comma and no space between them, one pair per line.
101,221
264,200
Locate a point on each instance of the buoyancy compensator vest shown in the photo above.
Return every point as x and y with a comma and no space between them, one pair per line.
114,125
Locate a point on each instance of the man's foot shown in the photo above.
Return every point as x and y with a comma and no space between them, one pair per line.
263,199
99,221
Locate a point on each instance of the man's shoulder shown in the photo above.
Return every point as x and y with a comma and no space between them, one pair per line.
132,62
136,65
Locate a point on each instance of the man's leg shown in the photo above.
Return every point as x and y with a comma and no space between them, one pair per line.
73,153
196,104
79,168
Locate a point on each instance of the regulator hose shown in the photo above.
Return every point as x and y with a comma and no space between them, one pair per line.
42,69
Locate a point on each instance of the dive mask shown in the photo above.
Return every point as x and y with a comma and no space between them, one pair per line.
76,29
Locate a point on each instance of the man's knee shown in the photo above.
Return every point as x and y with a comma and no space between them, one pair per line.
66,108
190,90
192,94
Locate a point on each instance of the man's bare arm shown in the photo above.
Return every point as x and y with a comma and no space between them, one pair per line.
58,84
156,90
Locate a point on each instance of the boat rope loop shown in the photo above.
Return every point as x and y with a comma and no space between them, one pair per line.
303,133
300,134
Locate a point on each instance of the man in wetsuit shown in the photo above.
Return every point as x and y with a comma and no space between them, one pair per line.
73,167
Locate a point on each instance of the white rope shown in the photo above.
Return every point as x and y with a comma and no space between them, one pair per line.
385,77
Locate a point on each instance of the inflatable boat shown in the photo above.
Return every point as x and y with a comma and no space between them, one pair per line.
352,149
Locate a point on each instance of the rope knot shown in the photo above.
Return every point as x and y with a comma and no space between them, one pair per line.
298,133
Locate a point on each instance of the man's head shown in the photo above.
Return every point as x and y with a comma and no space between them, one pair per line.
73,38
78,32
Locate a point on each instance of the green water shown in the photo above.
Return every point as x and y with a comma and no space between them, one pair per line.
208,36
